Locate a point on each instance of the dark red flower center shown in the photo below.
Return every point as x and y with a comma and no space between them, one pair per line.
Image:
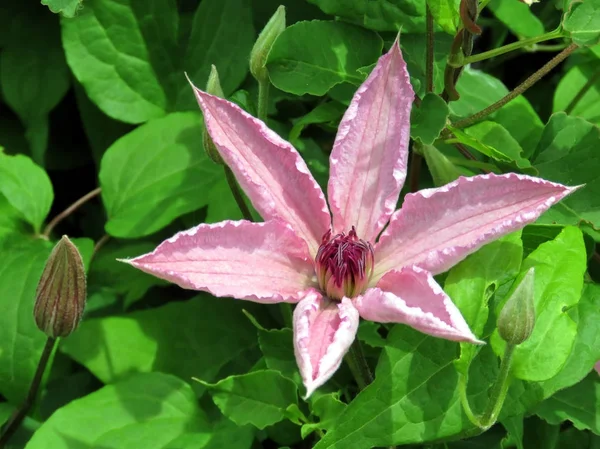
344,265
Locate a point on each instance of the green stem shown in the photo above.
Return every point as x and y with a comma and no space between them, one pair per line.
499,390
584,90
237,193
20,413
357,363
556,34
263,99
464,400
519,89
429,52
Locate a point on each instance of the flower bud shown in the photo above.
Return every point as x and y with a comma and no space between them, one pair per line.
61,292
262,46
517,317
213,87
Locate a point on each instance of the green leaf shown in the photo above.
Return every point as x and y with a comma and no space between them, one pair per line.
67,8
191,338
481,147
412,399
155,174
259,398
559,268
586,349
514,427
382,15
327,407
26,187
224,434
312,57
445,14
145,410
329,112
477,91
122,53
277,346
472,283
222,34
441,168
521,120
34,76
101,130
570,86
579,404
517,17
11,224
22,341
414,51
107,271
495,135
582,22
429,119
567,153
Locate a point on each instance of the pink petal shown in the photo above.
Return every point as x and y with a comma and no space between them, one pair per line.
368,161
323,333
437,228
597,367
268,168
261,262
411,296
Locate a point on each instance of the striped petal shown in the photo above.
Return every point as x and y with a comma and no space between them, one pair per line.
269,169
411,296
261,262
368,161
437,228
323,333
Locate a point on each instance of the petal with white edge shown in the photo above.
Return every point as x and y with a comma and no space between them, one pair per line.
323,332
411,296
437,228
262,262
369,157
269,169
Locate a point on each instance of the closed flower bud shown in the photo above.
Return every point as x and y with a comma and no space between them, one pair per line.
61,293
517,317
262,46
213,87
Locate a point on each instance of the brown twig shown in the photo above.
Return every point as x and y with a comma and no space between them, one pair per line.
69,210
519,89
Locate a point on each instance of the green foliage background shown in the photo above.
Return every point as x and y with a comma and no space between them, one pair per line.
93,95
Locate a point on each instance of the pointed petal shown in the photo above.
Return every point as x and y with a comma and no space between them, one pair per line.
261,262
268,168
368,161
323,333
411,296
437,228
597,367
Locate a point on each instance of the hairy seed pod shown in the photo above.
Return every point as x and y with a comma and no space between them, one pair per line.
61,293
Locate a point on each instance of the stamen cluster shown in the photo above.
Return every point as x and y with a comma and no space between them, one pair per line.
344,265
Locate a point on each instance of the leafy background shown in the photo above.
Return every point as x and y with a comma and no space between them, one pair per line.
93,94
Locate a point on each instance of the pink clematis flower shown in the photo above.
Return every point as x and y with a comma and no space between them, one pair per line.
330,260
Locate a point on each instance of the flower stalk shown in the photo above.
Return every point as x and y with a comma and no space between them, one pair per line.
19,414
355,358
